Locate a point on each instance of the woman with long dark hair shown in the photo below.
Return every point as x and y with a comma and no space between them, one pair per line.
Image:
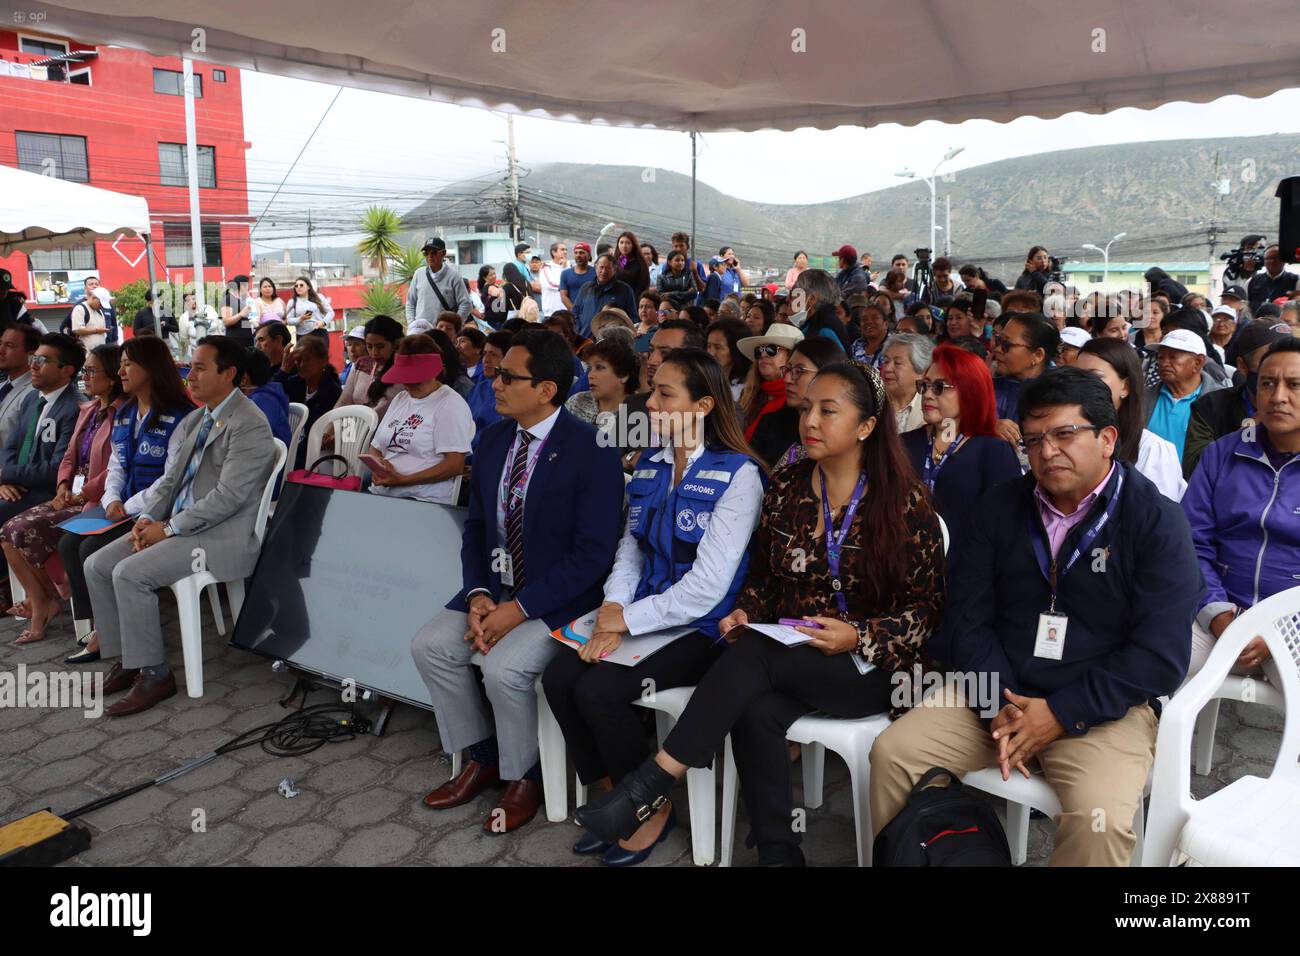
1037,264
308,310
31,538
266,306
363,387
1116,363
146,440
771,425
1024,349
846,539
806,360
629,266
723,336
759,317
453,371
692,507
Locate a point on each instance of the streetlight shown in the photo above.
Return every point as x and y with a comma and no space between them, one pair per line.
1105,255
929,181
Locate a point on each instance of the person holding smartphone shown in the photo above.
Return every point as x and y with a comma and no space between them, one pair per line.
308,310
847,539
420,446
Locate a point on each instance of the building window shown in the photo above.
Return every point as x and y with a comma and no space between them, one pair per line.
176,235
42,47
1094,277
174,170
1187,280
172,82
58,260
218,76
50,154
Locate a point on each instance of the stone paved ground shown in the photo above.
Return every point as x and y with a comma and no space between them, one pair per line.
359,802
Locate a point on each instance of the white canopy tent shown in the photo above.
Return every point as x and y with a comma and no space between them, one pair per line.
42,212
734,65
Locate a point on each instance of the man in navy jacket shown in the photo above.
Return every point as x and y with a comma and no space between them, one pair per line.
1067,677
545,507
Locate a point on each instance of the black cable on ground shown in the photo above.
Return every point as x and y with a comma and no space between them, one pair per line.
303,731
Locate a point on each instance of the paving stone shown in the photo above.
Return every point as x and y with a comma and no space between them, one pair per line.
26,739
460,845
67,745
123,846
345,775
379,845
299,845
219,844
270,811
362,809
57,774
137,808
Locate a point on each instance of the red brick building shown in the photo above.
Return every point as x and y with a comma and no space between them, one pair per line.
115,119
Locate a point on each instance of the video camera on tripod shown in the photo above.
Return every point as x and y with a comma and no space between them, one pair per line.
1055,273
922,274
1252,248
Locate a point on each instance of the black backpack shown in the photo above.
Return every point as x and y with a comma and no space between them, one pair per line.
942,826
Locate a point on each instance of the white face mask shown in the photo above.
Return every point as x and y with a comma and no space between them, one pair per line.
799,318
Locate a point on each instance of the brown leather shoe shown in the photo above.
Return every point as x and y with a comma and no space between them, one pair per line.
119,678
472,780
519,805
144,693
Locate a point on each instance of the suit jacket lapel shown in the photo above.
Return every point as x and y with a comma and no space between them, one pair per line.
535,497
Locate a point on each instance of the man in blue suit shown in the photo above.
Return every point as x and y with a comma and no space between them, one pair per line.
545,508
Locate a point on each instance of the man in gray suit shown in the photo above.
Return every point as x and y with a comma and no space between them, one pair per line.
18,343
204,509
43,427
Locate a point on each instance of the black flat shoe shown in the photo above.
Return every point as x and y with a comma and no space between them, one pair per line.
591,844
619,813
617,856
85,657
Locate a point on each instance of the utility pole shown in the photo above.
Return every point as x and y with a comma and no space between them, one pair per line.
310,252
947,225
514,177
192,162
694,239
1214,216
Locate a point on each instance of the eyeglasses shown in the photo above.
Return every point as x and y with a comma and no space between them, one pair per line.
1061,437
938,385
796,372
88,372
509,378
766,350
38,361
1005,345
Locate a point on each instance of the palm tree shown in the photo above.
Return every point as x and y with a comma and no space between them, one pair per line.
407,263
378,298
379,228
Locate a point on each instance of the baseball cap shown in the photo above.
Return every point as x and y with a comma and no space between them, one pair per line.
357,332
1184,341
1227,310
419,326
1233,292
716,260
522,247
845,251
1255,335
582,245
1074,336
434,243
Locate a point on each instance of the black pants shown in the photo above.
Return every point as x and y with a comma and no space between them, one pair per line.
594,703
755,692
75,549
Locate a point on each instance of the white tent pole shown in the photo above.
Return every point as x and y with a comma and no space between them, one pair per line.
192,161
153,301
694,238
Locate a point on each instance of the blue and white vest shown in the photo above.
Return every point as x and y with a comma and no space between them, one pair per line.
143,459
669,523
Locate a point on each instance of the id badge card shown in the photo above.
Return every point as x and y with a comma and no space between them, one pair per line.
1050,642
507,568
78,482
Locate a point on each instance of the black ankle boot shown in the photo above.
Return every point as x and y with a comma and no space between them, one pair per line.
619,813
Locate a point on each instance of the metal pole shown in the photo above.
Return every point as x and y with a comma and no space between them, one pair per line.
947,228
514,178
930,181
694,238
192,161
153,301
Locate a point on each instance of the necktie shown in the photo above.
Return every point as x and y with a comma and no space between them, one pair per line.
515,508
191,466
5,389
25,453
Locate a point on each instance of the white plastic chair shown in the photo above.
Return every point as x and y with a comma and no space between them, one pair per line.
1034,793
551,754
297,420
350,440
1252,821
189,589
1249,690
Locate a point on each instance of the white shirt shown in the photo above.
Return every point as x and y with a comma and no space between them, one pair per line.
115,480
540,432
50,399
1158,461
720,552
417,434
550,279
259,311
295,313
84,317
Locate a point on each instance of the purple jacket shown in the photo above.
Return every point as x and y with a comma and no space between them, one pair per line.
1245,518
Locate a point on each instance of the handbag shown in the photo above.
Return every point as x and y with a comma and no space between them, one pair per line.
308,476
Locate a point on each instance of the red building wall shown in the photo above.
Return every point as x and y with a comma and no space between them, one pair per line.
123,121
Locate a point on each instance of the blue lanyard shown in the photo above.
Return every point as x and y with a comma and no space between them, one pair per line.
930,470
835,539
512,496
1049,568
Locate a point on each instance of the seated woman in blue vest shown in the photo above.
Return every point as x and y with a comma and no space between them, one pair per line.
691,510
146,441
848,541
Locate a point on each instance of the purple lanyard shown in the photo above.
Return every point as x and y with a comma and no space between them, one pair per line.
513,495
930,470
835,539
88,437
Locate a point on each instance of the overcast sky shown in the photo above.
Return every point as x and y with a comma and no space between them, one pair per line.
397,150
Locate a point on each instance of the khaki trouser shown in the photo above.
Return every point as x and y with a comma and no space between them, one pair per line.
1098,776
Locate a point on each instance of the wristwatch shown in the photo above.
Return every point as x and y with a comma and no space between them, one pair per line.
168,530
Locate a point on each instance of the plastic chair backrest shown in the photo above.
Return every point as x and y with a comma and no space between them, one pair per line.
353,425
1277,620
297,420
264,506
943,529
